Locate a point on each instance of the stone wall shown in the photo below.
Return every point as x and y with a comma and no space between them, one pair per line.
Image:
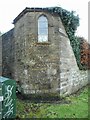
41,67
71,78
77,80
0,55
37,64
8,54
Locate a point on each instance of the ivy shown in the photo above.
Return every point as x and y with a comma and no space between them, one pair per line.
70,22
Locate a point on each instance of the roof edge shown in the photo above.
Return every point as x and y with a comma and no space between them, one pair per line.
27,9
20,15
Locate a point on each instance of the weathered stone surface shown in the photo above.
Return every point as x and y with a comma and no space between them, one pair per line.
8,54
41,67
0,55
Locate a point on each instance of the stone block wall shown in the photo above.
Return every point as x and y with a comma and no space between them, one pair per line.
0,55
76,81
8,54
41,67
37,64
71,78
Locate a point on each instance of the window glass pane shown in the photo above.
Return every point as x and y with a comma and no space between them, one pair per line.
42,38
42,25
42,29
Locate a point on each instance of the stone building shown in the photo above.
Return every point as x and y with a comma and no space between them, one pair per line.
38,55
0,55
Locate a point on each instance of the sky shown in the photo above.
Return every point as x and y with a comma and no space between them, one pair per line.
9,9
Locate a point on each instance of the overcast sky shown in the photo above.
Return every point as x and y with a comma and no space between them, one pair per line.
9,9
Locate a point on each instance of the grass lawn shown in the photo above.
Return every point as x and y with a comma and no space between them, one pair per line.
77,107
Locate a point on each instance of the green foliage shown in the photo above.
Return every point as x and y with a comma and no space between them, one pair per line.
26,109
76,108
70,22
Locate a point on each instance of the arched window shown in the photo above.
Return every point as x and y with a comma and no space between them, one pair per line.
42,29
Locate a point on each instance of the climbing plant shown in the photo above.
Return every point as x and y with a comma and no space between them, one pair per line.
70,22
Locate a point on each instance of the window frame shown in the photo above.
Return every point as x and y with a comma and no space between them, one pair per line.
45,28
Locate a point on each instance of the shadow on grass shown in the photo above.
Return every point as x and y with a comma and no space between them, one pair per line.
43,98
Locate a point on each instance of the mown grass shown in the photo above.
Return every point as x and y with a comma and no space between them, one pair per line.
77,107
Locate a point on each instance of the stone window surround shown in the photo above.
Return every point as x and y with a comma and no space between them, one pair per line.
45,42
43,28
